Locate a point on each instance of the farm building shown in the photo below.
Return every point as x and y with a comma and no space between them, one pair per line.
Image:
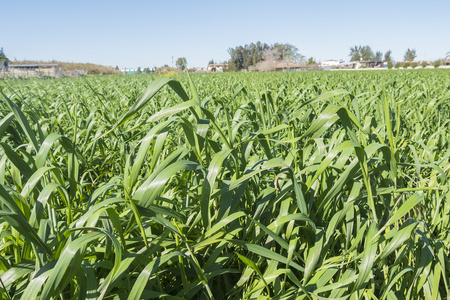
360,64
371,64
217,67
33,69
331,63
290,66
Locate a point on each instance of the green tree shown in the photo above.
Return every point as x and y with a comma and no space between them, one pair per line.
147,71
311,61
358,53
355,53
437,63
3,55
388,56
424,64
138,71
410,55
288,52
181,63
235,62
211,62
378,56
243,57
367,53
390,64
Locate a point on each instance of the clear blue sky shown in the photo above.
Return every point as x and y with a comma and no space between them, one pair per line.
148,33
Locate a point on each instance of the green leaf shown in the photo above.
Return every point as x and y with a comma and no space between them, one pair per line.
314,254
20,117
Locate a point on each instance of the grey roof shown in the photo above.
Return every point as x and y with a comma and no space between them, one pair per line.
33,65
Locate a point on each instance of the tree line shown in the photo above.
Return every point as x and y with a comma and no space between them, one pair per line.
249,55
365,53
264,57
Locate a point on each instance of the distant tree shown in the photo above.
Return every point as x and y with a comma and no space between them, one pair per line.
358,53
390,64
367,53
288,52
355,53
424,64
181,62
235,62
147,71
270,57
211,62
3,55
251,55
378,56
259,50
410,55
447,55
117,67
437,63
138,71
388,56
311,61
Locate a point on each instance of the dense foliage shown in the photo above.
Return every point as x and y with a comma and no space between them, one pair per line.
249,55
283,185
365,53
3,55
410,55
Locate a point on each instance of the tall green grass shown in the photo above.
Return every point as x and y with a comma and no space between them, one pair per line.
229,186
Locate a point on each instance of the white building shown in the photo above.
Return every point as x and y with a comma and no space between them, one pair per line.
331,63
217,67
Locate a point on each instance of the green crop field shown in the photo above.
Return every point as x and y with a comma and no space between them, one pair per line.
305,185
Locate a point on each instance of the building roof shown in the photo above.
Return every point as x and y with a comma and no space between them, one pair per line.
33,65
